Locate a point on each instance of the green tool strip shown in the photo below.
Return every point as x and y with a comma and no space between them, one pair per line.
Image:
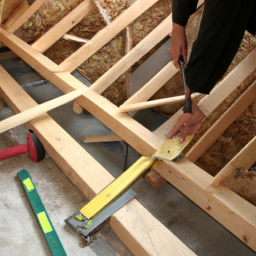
41,214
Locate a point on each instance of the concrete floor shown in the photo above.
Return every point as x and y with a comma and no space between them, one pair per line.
19,230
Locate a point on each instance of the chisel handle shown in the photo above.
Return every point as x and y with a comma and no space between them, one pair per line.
188,102
14,151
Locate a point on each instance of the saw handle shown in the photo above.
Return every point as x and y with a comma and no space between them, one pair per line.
188,102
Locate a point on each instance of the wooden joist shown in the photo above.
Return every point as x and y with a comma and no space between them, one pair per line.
1,102
78,165
63,26
7,55
232,211
102,138
106,34
153,85
222,123
243,160
21,15
134,55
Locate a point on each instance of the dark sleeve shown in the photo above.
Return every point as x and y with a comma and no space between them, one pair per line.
182,9
251,27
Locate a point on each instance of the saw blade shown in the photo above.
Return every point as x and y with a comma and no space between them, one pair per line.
171,149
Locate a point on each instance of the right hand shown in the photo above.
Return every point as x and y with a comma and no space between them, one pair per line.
179,44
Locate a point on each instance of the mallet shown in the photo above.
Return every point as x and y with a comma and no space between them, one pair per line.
34,148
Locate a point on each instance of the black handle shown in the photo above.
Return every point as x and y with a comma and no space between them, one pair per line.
187,106
188,102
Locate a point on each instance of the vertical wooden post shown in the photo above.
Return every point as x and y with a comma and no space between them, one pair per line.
1,102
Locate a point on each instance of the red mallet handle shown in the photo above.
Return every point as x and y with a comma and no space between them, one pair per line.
14,151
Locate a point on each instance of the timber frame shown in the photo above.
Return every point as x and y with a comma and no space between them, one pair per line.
229,209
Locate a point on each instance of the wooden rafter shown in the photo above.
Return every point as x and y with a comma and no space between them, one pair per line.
21,15
153,85
73,159
106,34
222,123
63,26
243,160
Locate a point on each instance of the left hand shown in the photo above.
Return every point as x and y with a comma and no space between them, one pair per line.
190,122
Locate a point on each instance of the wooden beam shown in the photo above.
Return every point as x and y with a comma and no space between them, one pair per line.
220,92
128,48
154,103
147,143
38,110
102,138
229,209
153,85
222,123
38,61
78,165
243,160
11,21
7,55
1,102
21,15
134,55
106,34
63,26
132,217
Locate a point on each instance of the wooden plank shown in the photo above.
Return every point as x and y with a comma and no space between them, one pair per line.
229,209
154,103
7,55
102,138
153,85
1,102
63,26
153,65
7,7
241,222
22,49
38,110
21,15
132,217
134,55
222,123
218,94
11,21
243,160
106,34
78,165
128,48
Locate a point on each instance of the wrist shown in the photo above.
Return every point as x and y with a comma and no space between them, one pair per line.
176,28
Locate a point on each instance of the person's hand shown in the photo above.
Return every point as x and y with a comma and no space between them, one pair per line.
190,123
179,44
